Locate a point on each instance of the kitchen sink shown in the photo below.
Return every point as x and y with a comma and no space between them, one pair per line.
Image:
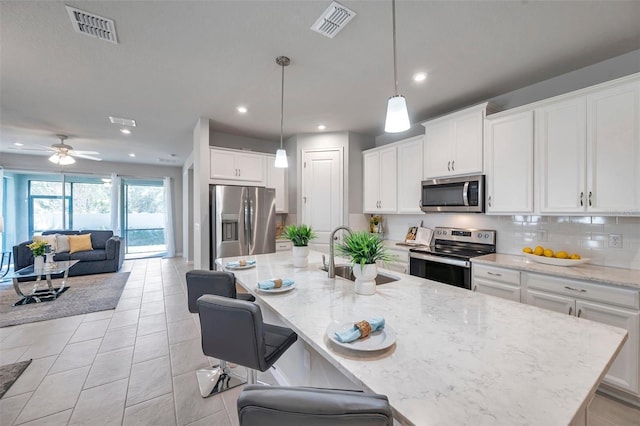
345,271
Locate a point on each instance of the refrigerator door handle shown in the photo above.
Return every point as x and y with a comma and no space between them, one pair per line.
250,220
247,224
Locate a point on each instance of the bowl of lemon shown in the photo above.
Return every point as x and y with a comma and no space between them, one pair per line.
560,258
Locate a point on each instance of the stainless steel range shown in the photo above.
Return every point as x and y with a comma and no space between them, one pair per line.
447,259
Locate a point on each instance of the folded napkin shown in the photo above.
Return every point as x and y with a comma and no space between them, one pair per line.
236,263
353,333
270,284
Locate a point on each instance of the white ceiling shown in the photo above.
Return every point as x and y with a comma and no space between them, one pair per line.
180,60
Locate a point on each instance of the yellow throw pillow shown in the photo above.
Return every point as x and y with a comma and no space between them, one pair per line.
79,243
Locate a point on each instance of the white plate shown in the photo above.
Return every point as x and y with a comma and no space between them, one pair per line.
556,262
376,341
227,266
277,290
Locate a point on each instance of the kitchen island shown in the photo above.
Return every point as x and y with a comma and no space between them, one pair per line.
460,358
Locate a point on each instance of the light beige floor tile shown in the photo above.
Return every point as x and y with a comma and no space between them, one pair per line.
151,346
102,405
190,405
11,355
230,399
10,407
31,378
90,330
27,336
172,290
152,296
6,331
182,330
220,418
148,380
98,316
152,308
59,324
47,345
156,411
175,300
134,284
57,392
177,313
131,292
118,338
109,367
152,324
124,318
58,419
76,355
187,357
125,304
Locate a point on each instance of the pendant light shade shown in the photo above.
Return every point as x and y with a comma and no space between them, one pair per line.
397,115
281,154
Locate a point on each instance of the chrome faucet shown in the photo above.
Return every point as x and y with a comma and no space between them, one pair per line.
331,269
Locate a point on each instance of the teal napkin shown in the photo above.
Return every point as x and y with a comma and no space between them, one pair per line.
268,284
236,263
352,334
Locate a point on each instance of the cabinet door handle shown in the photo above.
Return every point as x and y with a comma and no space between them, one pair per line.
449,165
494,274
489,200
581,290
581,199
570,310
590,194
579,313
452,165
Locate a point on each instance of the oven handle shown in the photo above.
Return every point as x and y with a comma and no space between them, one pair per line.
439,259
465,192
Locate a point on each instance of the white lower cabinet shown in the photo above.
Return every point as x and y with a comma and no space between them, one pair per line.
499,282
596,303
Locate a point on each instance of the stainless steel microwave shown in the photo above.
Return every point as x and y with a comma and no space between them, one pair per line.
463,194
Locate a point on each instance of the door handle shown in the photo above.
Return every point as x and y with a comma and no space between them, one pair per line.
581,199
494,274
453,165
579,313
570,310
590,194
489,200
449,165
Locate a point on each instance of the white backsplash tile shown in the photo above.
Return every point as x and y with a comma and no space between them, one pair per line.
589,236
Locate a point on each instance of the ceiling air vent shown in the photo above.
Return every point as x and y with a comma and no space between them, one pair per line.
334,19
122,121
93,25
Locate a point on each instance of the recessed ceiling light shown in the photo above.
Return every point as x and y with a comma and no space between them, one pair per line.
126,131
132,155
18,144
242,110
420,76
321,127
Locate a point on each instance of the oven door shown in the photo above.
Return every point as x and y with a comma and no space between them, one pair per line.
445,270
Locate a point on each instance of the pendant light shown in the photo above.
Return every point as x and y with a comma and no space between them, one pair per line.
397,115
281,154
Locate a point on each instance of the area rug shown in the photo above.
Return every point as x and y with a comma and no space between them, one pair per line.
9,374
87,293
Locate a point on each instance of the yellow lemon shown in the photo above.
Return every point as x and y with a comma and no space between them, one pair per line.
575,256
527,250
538,251
548,253
562,255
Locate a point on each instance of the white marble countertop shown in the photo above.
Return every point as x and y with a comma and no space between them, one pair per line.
587,272
460,358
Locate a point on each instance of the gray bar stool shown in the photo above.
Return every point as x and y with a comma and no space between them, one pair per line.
293,406
234,330
201,282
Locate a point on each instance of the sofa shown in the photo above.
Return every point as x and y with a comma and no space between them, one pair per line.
107,254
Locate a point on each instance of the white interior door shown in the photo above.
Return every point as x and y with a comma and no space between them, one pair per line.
322,193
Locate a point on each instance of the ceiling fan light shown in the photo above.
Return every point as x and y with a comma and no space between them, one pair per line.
397,115
281,159
66,160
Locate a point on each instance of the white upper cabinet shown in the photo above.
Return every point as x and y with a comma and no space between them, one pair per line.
453,143
277,179
613,149
508,156
588,152
410,175
237,166
380,180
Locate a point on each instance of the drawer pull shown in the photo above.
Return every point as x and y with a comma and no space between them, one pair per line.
570,310
494,274
579,313
581,290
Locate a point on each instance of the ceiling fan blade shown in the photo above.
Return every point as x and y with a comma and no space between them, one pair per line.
74,152
88,157
30,149
48,148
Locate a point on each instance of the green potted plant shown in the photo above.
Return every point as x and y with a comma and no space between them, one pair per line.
364,249
300,235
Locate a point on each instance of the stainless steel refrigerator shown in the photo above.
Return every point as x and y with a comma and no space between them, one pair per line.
243,221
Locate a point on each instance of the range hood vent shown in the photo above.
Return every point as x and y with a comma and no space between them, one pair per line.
93,25
334,19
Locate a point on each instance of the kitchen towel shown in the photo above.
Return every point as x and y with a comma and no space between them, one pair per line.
269,284
353,333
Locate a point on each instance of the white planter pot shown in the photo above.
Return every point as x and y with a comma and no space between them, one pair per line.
300,256
38,262
365,279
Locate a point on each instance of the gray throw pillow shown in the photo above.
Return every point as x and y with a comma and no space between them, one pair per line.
63,243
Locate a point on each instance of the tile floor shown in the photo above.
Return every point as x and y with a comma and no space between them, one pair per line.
135,365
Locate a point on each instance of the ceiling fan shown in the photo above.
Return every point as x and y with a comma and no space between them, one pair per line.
63,154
